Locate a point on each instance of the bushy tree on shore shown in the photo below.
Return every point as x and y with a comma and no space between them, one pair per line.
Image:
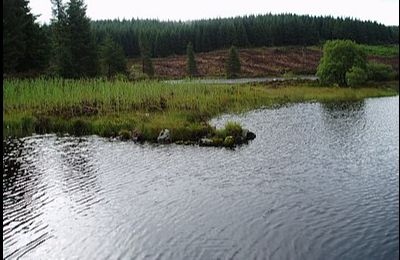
339,57
232,67
191,62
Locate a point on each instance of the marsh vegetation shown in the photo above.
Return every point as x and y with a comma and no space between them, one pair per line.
106,107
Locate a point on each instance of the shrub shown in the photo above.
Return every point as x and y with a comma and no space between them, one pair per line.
80,127
339,56
380,72
124,134
229,141
356,76
136,73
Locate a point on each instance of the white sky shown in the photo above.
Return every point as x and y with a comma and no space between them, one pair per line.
382,11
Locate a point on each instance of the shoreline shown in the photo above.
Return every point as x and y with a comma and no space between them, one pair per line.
141,110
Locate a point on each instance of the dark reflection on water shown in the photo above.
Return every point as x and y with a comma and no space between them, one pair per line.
320,181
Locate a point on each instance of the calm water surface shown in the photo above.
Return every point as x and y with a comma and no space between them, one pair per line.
318,182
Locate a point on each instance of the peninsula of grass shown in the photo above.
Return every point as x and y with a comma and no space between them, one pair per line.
112,108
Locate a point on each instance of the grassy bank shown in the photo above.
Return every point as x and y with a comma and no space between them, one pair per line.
381,50
106,108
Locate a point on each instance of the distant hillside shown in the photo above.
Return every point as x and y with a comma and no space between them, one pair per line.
164,38
258,62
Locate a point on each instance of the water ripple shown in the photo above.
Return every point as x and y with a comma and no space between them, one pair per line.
320,181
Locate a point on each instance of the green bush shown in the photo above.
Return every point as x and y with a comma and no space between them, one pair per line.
356,76
380,72
339,56
136,73
229,141
124,134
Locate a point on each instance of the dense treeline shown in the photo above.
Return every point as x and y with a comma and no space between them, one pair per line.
170,37
72,46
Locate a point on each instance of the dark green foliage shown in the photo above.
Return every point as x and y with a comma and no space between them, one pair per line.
145,50
112,58
356,77
125,134
171,37
380,72
70,41
42,124
339,56
232,67
191,62
80,127
75,51
25,44
147,64
229,141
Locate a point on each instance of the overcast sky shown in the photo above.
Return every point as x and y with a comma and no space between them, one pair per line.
382,11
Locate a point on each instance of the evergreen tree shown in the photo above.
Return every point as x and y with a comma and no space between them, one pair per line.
169,37
191,62
76,51
112,58
60,61
147,65
232,64
145,49
81,41
25,45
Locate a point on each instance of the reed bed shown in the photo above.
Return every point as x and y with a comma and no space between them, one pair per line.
106,107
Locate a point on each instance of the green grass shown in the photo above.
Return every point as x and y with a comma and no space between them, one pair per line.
107,108
381,50
389,50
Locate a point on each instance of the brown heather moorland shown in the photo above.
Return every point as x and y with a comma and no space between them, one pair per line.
255,62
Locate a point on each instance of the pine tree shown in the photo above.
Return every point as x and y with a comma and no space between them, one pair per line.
232,64
112,58
191,62
25,45
75,48
147,65
81,41
145,50
59,62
